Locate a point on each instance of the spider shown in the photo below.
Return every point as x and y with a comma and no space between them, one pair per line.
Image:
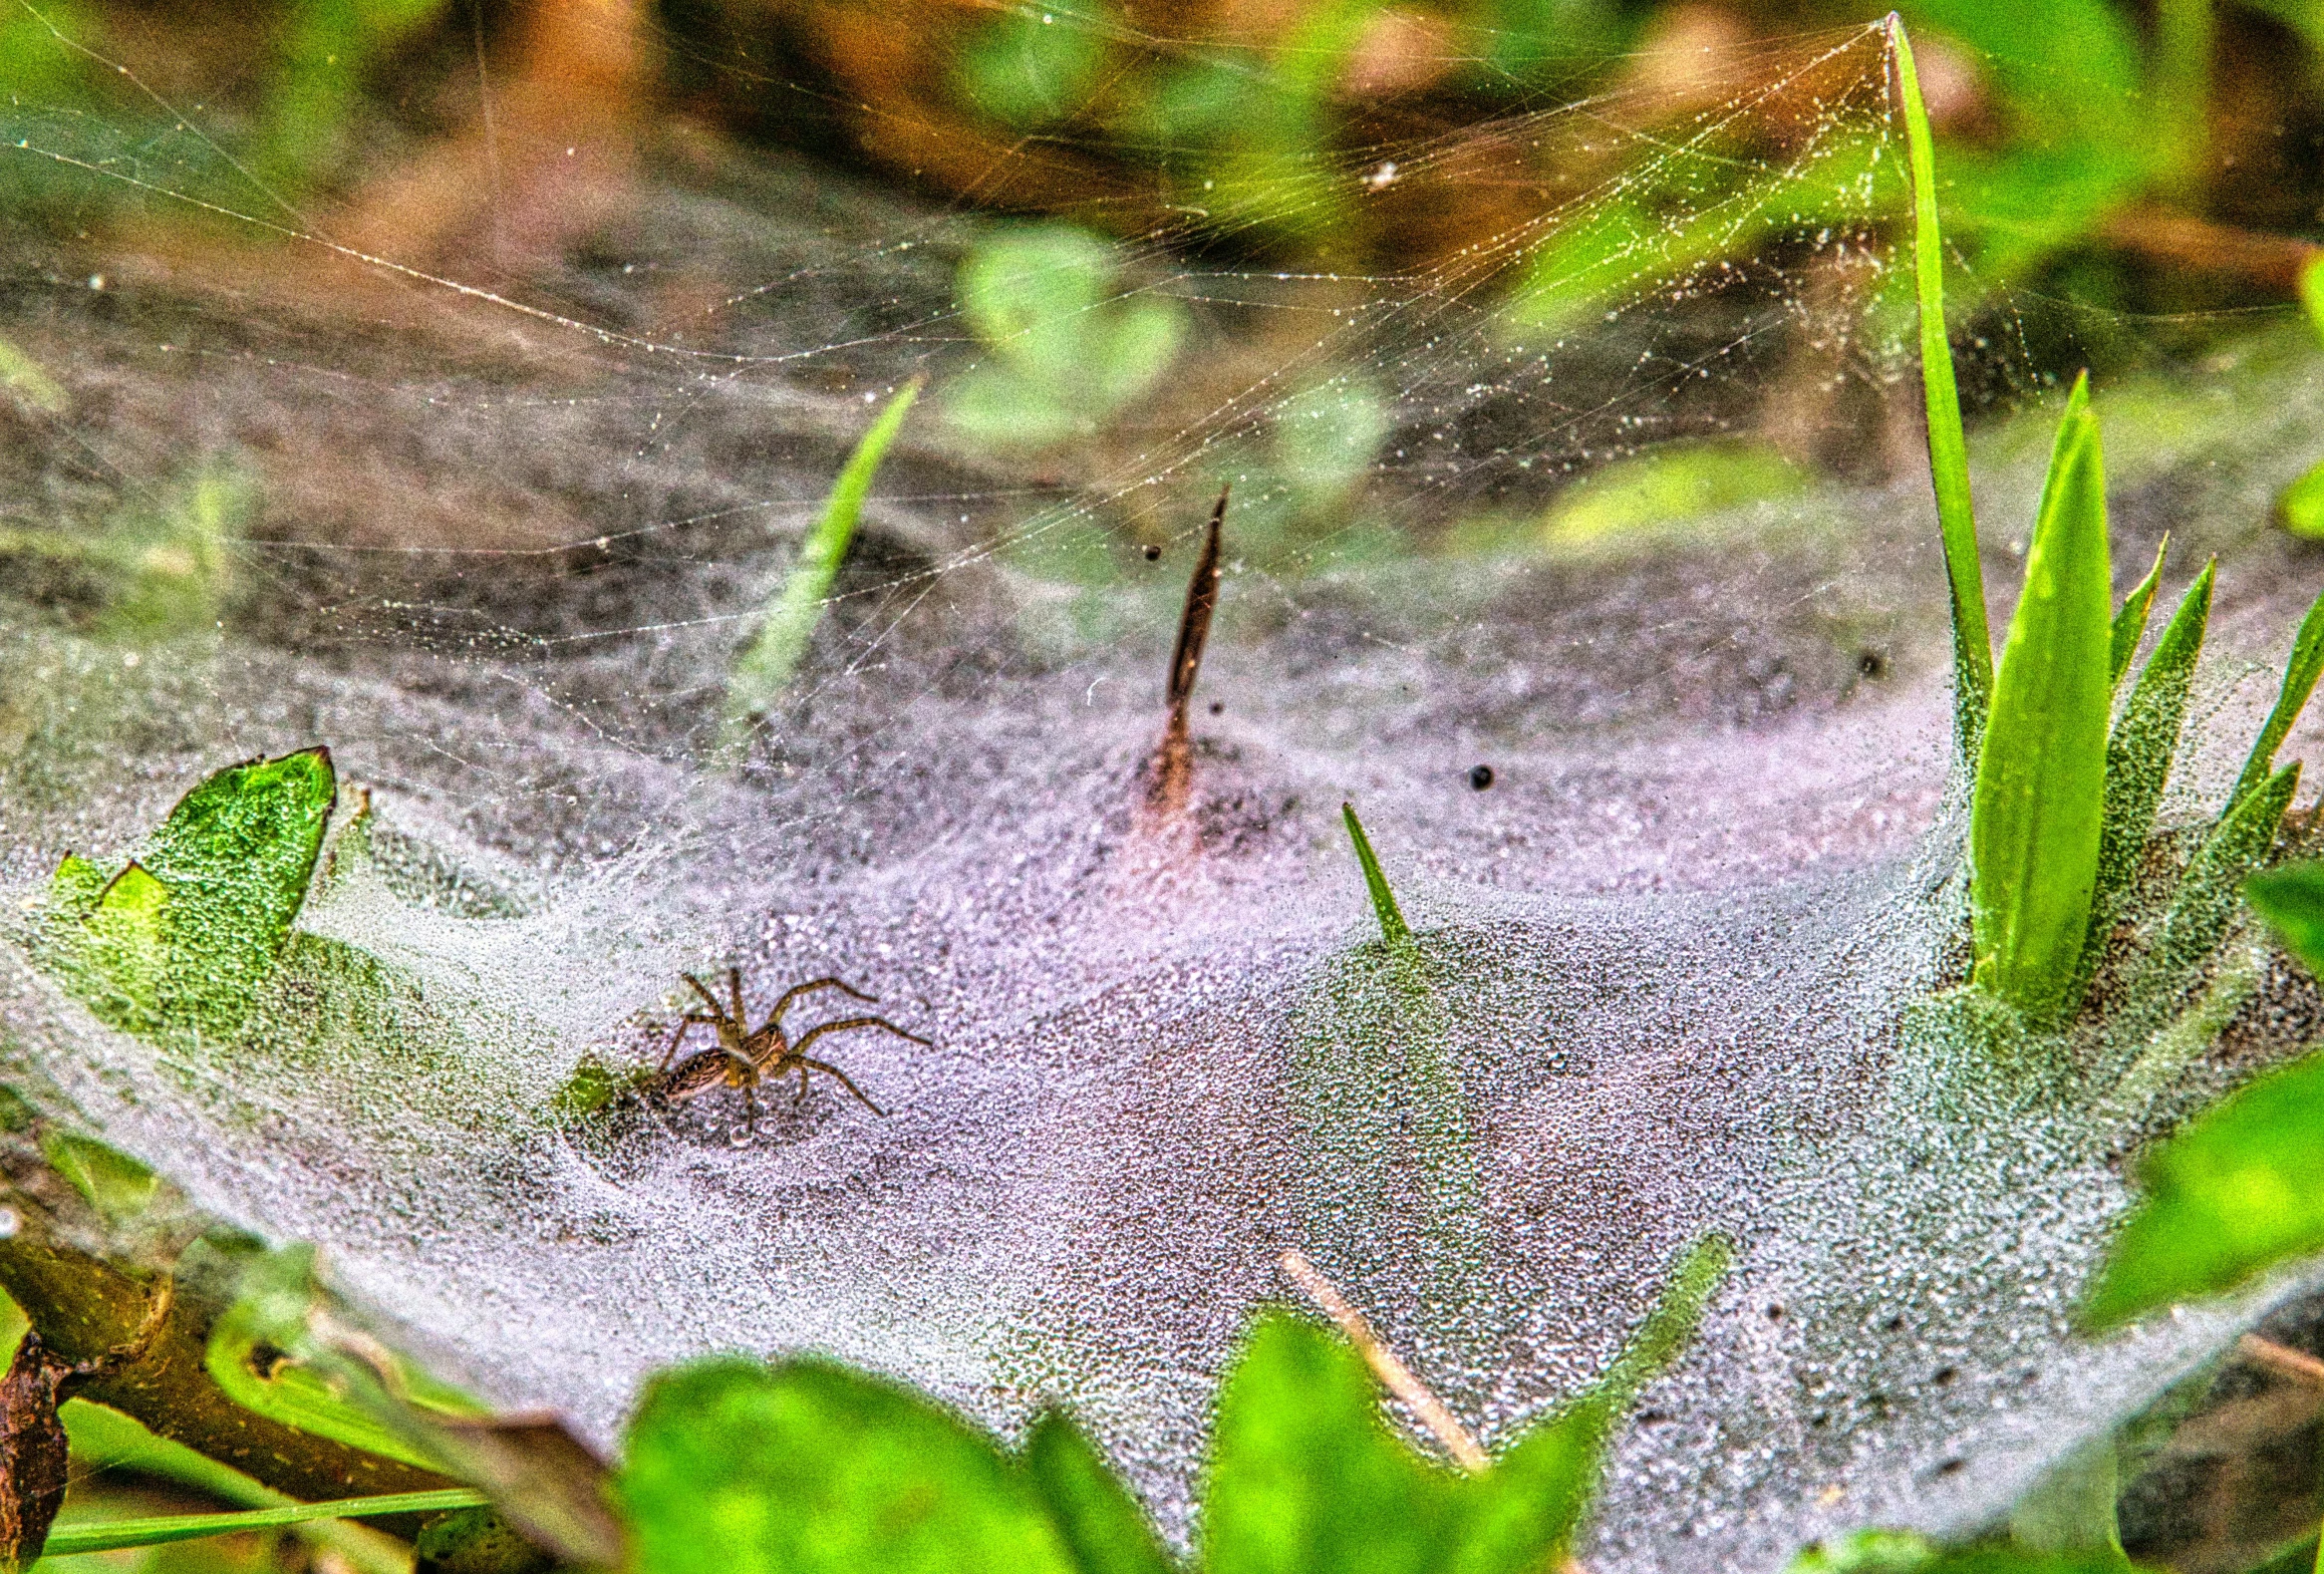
744,1059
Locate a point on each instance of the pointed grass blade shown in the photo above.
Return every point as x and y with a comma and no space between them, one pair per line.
112,1535
2145,743
2138,758
1948,454
2300,674
764,670
2038,808
2129,624
1392,926
2211,890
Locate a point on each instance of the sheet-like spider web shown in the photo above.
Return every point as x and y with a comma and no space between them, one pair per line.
495,501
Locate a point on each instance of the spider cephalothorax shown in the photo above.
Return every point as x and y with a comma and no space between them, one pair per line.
745,1058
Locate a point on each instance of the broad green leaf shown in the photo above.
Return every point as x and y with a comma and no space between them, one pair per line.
1132,352
2038,809
2210,892
764,671
731,1468
2129,623
121,959
1103,1524
1948,454
106,1536
1392,926
2239,1190
2300,674
1305,1475
2138,758
2291,899
115,1184
184,936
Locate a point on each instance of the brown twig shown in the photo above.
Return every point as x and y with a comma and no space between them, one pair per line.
1174,760
2281,1358
2182,240
1394,1375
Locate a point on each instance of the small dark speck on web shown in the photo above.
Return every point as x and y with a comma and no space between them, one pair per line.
1872,664
1217,706
1944,1374
1774,1313
1894,1325
1952,1466
1153,554
1480,777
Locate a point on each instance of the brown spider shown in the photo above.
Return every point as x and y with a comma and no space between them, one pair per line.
744,1059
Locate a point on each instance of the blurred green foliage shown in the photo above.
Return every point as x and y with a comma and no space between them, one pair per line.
1069,345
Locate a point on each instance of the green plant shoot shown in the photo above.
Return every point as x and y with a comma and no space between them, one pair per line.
2144,742
1948,452
1392,926
2129,624
2039,802
765,669
2300,674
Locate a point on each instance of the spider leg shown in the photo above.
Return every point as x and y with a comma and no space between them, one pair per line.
734,988
802,1095
796,990
703,990
844,1023
678,1037
751,1108
844,1081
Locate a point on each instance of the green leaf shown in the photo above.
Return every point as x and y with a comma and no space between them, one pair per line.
2210,892
1101,1522
2239,1190
2291,899
2038,809
1392,926
182,938
67,1540
1306,1476
1948,454
2139,757
116,1185
2129,624
810,1468
2300,674
764,671
2300,506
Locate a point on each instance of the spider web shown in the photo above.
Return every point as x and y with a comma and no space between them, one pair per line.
1606,484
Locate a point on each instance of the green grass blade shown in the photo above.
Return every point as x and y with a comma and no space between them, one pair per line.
2038,808
1948,454
2145,743
2138,758
111,1535
2208,895
2129,624
764,670
1392,926
2300,676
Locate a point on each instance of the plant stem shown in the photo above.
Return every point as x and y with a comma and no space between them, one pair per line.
1393,929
